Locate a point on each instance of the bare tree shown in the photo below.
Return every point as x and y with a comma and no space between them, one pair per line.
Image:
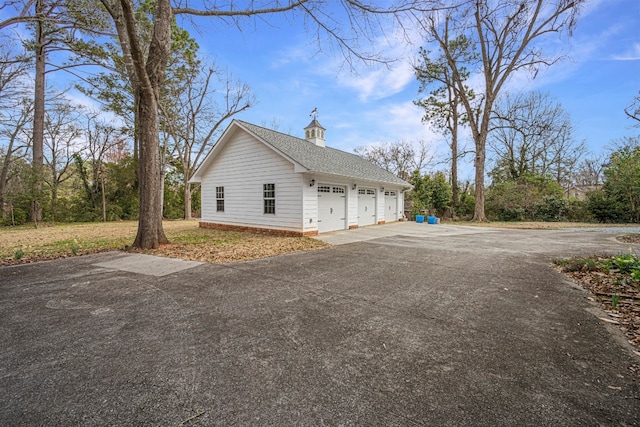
13,74
15,140
206,100
503,32
60,143
401,158
101,138
532,134
589,171
15,113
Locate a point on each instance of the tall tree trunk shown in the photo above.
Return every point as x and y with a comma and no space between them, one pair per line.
4,171
54,200
187,198
150,232
136,121
455,194
479,164
38,116
104,198
454,102
147,75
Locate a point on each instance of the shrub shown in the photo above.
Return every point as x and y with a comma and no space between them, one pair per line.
524,199
511,214
577,210
550,208
605,208
17,217
417,208
467,205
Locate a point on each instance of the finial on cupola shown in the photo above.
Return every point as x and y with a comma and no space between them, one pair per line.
314,132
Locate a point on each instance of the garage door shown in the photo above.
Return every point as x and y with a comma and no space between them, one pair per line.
332,208
391,206
366,206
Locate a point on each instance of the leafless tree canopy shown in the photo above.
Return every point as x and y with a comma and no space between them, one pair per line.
401,158
532,134
589,171
206,99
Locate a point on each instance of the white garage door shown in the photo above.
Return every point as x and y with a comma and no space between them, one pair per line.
366,206
391,206
332,208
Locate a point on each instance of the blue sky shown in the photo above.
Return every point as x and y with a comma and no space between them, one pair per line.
279,60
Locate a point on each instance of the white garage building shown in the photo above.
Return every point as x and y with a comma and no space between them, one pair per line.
257,178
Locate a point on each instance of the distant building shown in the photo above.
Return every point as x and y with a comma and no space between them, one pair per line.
580,191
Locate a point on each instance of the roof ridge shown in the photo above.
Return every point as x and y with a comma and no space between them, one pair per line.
271,130
296,137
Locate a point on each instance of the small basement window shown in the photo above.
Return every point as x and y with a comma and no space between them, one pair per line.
269,197
219,199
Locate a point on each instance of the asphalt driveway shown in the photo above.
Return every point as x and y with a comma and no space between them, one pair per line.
438,325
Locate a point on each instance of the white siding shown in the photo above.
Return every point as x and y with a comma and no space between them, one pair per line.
352,206
310,204
380,208
242,167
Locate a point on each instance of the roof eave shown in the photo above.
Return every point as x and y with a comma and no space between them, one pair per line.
404,185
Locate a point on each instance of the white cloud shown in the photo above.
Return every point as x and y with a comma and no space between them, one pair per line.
371,82
291,55
632,54
383,123
379,83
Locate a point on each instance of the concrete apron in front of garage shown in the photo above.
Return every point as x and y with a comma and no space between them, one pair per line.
409,228
441,326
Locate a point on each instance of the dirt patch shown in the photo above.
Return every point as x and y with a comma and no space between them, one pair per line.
617,294
250,246
629,238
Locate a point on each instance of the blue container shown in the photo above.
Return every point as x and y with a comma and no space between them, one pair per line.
432,220
420,219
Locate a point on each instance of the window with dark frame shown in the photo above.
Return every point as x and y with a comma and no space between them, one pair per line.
219,199
269,196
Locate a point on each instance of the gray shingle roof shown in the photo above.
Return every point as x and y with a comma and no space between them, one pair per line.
323,159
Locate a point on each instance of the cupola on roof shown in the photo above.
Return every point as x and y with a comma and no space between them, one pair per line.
314,132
